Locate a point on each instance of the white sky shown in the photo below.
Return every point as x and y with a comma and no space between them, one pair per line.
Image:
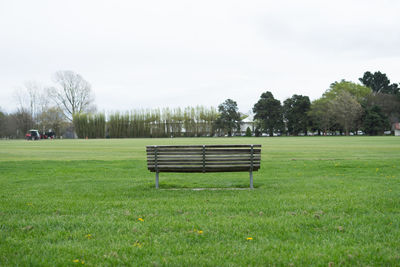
145,54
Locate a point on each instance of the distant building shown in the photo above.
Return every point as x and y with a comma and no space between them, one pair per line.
247,122
396,128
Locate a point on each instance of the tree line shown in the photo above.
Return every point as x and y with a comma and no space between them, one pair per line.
67,108
371,106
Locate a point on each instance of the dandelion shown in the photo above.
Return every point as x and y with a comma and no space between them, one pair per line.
89,236
200,232
249,238
377,169
83,262
140,219
137,244
76,261
29,204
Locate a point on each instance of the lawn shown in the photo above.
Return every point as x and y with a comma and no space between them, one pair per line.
317,201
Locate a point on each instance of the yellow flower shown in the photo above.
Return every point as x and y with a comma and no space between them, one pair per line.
83,262
140,219
199,232
88,236
76,261
249,238
137,244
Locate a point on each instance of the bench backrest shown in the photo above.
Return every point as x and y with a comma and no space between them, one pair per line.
204,158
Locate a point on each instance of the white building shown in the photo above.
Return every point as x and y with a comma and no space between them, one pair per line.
396,128
247,122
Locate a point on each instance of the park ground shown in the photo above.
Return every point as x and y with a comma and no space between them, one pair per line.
324,201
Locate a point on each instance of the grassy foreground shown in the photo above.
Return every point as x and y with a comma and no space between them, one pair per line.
318,201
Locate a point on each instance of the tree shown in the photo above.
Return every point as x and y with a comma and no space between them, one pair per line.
321,118
327,112
360,92
52,119
374,121
72,94
31,99
295,111
379,83
229,117
345,110
248,132
90,125
3,123
9,128
22,119
268,111
389,105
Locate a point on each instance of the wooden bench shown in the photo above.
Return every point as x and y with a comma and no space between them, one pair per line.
204,158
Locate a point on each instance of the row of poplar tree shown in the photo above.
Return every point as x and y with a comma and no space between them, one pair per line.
189,122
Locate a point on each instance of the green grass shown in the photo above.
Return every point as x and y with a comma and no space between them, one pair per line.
318,200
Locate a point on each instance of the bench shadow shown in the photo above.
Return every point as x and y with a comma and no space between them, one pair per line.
201,187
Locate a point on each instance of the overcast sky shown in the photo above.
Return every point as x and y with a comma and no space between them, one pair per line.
145,54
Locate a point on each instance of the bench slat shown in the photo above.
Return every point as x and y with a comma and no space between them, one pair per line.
201,160
201,152
208,169
201,146
160,165
207,151
151,161
180,155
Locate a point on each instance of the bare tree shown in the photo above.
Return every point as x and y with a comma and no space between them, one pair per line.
72,94
31,99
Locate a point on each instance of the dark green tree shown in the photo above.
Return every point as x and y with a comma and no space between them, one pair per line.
389,105
386,95
268,111
374,121
248,132
379,83
3,124
229,117
295,111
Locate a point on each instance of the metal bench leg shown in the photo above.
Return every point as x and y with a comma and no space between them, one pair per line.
156,180
251,179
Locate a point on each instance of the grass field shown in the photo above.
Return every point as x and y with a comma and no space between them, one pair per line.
317,201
